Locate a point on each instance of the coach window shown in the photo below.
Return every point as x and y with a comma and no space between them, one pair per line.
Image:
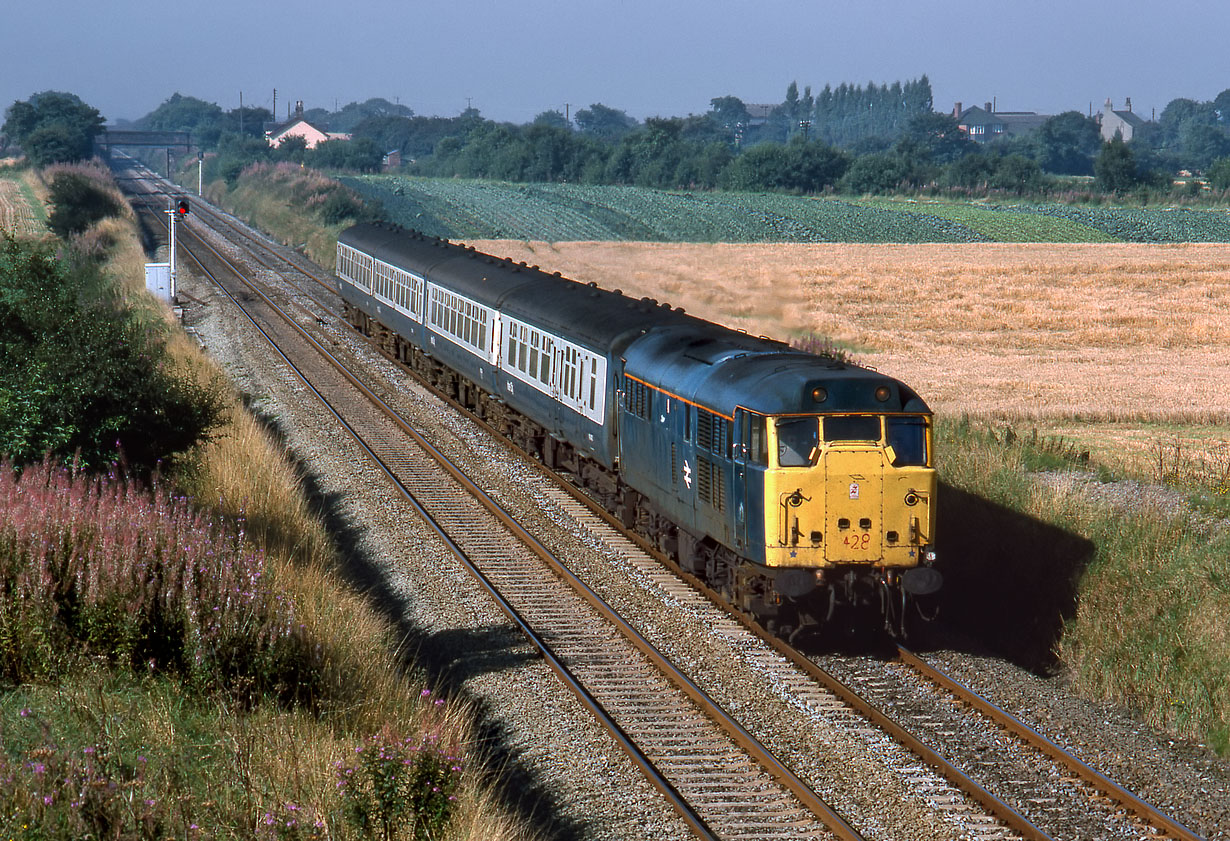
544,361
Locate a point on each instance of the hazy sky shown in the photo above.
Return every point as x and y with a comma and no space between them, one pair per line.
513,59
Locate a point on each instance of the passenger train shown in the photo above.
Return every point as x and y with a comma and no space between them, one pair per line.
796,485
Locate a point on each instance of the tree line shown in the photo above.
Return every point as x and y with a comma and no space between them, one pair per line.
851,139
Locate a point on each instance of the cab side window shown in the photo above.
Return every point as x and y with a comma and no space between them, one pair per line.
797,438
907,435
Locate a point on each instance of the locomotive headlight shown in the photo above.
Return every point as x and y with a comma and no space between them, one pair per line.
883,393
911,499
819,395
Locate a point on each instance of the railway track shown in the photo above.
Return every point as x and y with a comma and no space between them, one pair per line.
720,779
1022,809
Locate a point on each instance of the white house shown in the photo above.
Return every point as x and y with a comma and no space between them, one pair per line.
296,126
1124,122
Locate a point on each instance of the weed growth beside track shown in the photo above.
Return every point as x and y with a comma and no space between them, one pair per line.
197,668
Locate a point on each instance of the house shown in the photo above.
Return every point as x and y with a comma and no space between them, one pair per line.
1125,123
296,126
986,124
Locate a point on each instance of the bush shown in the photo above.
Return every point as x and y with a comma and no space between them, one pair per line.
878,172
1219,174
77,202
81,376
399,787
341,205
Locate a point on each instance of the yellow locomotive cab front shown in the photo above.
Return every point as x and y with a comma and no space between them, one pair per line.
852,490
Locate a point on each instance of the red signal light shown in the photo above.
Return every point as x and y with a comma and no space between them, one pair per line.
182,208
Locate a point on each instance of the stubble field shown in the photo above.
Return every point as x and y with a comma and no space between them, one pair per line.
1122,348
17,213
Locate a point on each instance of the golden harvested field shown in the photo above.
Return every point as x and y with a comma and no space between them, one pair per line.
1036,334
16,215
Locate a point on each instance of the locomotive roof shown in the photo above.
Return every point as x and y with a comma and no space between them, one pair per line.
722,369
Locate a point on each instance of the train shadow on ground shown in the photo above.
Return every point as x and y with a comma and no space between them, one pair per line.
446,659
1010,581
1010,585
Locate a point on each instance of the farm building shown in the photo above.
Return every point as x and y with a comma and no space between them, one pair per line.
297,126
986,124
1124,122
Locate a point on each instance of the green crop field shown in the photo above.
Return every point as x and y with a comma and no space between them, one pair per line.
469,209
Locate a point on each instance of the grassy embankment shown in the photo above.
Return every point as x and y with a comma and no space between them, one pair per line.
1082,438
186,661
300,207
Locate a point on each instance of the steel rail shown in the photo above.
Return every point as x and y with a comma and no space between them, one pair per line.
1032,737
782,774
587,700
995,805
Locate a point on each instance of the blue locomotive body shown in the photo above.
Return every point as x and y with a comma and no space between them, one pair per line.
771,472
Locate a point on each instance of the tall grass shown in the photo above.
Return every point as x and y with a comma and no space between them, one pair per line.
183,660
1131,578
119,599
303,208
96,566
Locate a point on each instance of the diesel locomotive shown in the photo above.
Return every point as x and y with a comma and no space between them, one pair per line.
798,486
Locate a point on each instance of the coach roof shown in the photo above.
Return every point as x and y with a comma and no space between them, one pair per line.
584,313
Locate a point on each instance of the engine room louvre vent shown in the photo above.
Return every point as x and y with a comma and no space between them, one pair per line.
710,483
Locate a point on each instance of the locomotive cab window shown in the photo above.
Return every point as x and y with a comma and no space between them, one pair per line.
907,435
797,439
754,435
852,428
